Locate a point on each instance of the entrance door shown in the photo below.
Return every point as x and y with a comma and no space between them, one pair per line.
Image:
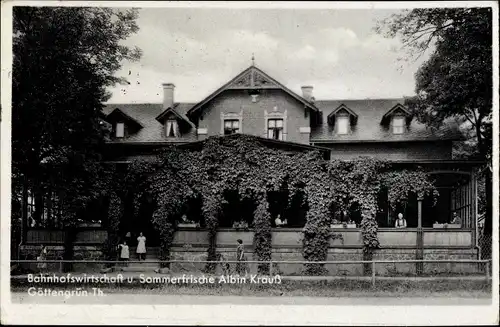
144,223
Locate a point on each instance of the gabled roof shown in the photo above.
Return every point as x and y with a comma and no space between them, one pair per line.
146,113
161,117
252,78
397,107
368,128
117,113
331,116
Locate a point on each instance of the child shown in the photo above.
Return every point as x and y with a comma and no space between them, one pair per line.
124,253
43,256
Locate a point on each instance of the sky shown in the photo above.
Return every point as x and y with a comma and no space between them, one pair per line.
200,49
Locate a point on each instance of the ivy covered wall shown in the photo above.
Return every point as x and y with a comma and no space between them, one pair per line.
253,170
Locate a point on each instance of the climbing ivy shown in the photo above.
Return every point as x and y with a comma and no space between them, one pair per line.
243,163
262,234
403,182
115,213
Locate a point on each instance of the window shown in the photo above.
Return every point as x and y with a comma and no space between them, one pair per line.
275,129
49,210
398,125
231,126
120,130
342,124
172,129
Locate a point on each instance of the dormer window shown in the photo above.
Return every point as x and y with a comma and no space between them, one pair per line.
398,124
120,130
175,124
122,124
397,119
172,128
342,119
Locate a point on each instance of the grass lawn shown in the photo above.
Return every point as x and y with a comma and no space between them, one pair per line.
333,288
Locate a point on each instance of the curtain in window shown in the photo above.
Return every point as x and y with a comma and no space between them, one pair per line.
342,125
172,128
231,126
398,125
275,129
120,130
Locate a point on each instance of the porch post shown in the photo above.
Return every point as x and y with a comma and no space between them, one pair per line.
473,201
420,239
419,212
24,210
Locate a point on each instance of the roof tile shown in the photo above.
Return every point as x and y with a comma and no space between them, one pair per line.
368,127
146,114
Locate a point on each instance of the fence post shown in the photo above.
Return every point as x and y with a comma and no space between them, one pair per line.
373,273
270,268
487,267
420,239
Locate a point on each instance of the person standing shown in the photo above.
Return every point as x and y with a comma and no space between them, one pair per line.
124,252
240,258
400,222
455,219
141,247
42,265
278,222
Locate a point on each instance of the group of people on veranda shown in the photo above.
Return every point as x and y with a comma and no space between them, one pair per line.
241,265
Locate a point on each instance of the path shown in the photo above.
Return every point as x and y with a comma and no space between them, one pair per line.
162,299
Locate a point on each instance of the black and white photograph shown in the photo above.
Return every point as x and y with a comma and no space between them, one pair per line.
249,163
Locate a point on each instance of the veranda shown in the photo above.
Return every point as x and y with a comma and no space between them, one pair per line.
429,233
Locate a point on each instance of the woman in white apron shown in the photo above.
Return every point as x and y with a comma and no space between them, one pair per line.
124,253
141,247
400,222
241,266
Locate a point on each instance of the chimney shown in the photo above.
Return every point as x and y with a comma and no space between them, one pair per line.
307,92
168,95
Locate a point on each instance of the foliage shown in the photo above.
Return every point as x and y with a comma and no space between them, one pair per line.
359,182
403,182
263,235
210,211
63,59
115,213
166,228
242,163
456,82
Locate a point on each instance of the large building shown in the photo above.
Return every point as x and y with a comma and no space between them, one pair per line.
254,103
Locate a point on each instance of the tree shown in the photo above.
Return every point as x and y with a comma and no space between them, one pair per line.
456,81
63,60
